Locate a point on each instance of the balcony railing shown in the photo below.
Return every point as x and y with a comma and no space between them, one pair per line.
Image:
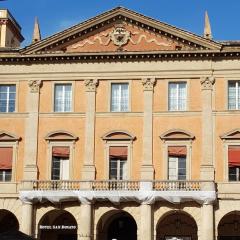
113,185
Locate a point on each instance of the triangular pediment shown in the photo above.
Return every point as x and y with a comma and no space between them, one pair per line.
8,137
231,135
121,30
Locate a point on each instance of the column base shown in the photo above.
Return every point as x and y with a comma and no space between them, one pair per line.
30,172
147,172
88,172
207,172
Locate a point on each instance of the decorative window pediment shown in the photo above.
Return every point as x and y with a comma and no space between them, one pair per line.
61,136
8,137
177,134
118,135
232,135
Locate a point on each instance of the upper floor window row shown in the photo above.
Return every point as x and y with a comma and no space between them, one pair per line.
63,98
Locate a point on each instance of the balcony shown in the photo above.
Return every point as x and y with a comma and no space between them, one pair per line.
117,191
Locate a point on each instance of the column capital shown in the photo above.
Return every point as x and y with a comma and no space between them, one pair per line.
148,83
207,83
91,85
34,85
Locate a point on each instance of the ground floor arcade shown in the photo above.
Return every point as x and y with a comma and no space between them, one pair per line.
126,221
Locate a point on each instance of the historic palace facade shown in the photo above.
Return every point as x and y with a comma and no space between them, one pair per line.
119,128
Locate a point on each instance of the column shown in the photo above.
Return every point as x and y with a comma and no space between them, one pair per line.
147,170
31,130
207,228
146,232
207,168
27,219
85,231
89,167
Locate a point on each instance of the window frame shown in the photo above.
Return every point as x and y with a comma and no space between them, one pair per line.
188,82
129,82
16,83
227,94
14,146
113,143
72,83
178,143
226,145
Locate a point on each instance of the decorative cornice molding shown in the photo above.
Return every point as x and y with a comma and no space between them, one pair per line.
148,84
91,85
34,85
207,83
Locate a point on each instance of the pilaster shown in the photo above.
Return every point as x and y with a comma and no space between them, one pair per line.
207,168
207,228
85,222
89,167
147,170
31,130
146,232
27,219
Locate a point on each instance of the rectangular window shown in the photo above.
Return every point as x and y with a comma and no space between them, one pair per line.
7,98
177,96
234,163
6,154
119,97
177,163
60,163
63,98
118,163
234,95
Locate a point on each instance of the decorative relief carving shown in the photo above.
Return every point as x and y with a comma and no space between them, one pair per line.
207,83
91,85
120,36
34,85
148,84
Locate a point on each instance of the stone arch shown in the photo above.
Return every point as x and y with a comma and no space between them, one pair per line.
14,206
191,209
112,219
8,221
50,226
118,135
176,223
229,226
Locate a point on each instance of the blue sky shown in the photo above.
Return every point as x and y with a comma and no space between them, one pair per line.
56,15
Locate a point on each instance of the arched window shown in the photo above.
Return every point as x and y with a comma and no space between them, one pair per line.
60,154
177,154
118,154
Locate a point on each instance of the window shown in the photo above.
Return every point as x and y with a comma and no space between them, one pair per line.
6,157
63,98
234,163
177,162
119,97
234,95
60,163
177,96
7,98
118,163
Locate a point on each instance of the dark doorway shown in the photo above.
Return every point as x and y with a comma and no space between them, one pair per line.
229,227
177,225
122,228
58,225
8,221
